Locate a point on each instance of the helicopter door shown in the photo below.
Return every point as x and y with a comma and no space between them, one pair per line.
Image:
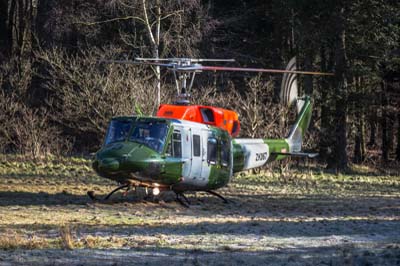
197,173
179,149
186,151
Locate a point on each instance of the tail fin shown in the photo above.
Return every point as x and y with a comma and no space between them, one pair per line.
296,134
289,96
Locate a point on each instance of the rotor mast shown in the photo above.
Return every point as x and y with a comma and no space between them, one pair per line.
184,71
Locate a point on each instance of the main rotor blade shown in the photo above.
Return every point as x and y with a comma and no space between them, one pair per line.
265,70
169,65
154,59
214,60
192,60
135,63
174,64
118,61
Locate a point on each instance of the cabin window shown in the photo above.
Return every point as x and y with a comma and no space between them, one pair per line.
208,115
225,152
174,148
196,145
235,127
212,149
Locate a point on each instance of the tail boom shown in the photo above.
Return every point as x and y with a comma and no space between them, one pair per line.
253,153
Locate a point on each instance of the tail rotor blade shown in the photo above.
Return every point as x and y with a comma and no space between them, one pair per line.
289,88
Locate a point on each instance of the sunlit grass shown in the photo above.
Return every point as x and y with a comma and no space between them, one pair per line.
43,204
365,181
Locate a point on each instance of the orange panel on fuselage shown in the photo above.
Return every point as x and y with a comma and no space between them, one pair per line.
222,118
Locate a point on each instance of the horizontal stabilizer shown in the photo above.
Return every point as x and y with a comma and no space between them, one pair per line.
297,154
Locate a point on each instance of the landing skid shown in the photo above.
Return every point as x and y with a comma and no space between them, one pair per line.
93,197
217,195
182,199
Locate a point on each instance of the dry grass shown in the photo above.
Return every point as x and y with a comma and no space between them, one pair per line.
92,242
12,240
66,237
44,205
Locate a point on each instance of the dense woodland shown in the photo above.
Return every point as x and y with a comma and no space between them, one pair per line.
57,96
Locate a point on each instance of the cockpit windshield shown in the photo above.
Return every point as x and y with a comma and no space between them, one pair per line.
150,133
117,131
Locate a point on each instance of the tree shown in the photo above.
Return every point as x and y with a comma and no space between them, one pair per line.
164,24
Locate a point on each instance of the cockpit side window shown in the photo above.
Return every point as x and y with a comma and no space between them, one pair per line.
177,144
212,149
174,148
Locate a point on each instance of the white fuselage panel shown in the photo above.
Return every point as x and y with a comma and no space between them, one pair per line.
256,152
196,170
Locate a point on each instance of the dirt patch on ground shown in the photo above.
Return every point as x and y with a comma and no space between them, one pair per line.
306,218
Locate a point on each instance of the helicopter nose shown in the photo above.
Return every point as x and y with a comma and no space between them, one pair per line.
108,165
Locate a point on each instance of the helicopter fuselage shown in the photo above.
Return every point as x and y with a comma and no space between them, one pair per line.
177,155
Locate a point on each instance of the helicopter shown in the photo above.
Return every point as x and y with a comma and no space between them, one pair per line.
188,147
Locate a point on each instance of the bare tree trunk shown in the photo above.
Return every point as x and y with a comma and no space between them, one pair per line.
11,25
385,148
277,61
390,130
155,42
43,8
398,138
157,45
308,64
372,122
20,29
324,138
359,149
4,40
339,159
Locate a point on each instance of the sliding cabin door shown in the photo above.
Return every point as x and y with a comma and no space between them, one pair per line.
200,168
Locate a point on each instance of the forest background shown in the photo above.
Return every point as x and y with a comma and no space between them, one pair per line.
56,97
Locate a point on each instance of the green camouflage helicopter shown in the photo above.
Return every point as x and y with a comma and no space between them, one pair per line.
193,147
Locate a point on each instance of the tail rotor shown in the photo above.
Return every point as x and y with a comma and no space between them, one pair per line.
289,86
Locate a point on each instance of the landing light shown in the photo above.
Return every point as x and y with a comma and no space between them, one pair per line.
156,191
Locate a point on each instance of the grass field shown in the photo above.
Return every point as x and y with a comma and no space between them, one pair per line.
304,216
